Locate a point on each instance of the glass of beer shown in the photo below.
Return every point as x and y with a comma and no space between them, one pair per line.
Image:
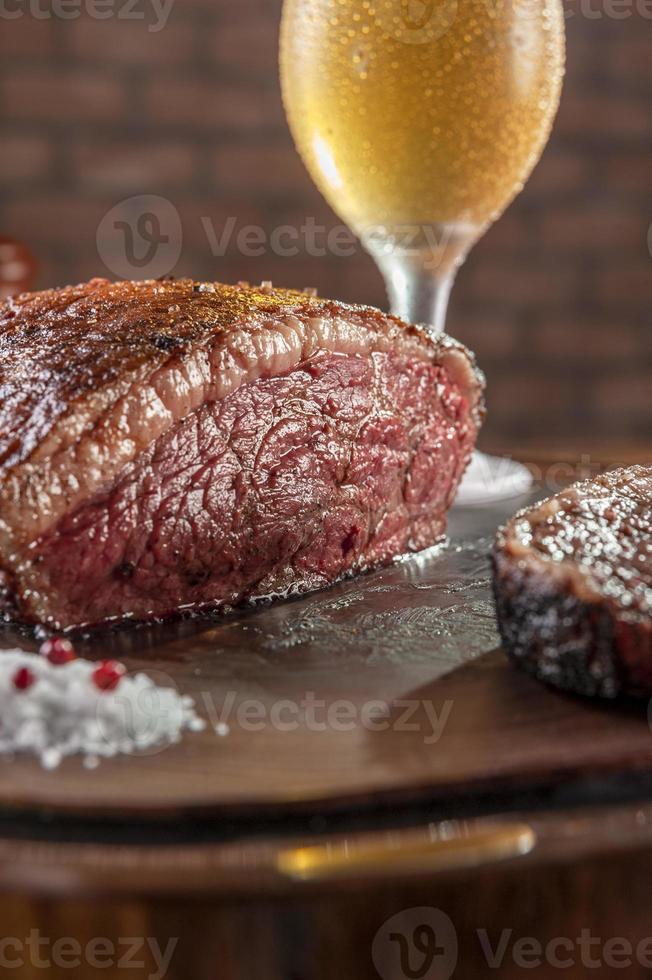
420,121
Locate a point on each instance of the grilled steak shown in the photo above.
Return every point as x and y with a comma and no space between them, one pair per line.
175,445
573,586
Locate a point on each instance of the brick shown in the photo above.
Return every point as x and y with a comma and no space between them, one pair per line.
306,206
607,117
62,96
247,45
204,104
582,55
559,172
136,42
54,270
587,342
628,173
133,167
512,286
550,397
295,273
589,228
235,233
55,219
88,264
208,10
244,13
509,234
623,396
492,337
604,22
630,59
248,11
554,299
206,223
24,157
268,169
358,281
27,37
626,286
199,264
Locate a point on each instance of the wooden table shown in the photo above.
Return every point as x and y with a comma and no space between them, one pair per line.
502,829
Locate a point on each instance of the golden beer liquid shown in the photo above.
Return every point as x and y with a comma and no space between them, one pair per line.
421,112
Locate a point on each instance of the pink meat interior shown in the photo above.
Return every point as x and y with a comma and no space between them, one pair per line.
286,484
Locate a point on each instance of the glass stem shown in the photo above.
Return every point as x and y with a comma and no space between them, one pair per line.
419,279
417,294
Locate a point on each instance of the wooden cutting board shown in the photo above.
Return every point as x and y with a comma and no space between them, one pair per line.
389,688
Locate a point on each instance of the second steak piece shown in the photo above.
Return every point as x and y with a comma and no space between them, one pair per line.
573,586
167,446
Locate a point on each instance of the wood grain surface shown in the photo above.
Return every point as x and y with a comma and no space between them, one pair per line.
587,875
387,689
297,852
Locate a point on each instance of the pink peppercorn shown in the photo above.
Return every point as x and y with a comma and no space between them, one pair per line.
58,651
23,679
108,675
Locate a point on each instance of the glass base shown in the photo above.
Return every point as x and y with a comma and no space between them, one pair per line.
490,478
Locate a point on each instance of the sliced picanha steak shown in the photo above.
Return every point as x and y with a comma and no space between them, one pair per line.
167,446
573,586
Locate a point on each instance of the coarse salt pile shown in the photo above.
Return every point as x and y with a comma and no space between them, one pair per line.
54,704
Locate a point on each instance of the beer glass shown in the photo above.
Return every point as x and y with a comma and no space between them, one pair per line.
420,121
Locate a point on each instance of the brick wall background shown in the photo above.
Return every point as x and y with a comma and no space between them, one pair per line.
555,300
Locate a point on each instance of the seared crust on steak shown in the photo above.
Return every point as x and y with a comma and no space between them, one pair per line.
90,343
112,393
79,364
573,586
